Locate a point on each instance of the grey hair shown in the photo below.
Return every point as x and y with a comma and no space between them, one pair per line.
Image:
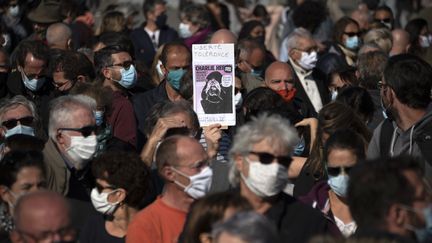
296,34
62,111
249,226
8,104
382,37
264,127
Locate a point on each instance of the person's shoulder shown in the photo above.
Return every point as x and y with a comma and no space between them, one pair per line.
296,207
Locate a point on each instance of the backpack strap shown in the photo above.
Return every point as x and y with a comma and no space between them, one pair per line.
385,137
424,141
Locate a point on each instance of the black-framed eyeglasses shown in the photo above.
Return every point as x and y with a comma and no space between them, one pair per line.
335,171
85,131
381,85
67,234
268,158
351,34
126,64
11,123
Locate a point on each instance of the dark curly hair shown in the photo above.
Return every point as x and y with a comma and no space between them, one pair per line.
127,171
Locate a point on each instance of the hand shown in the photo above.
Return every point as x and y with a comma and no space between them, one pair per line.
162,126
313,126
212,135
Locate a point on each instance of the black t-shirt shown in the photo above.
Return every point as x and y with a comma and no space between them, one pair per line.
94,232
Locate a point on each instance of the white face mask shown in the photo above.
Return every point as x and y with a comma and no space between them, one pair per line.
333,94
308,60
265,180
184,31
199,184
14,10
100,202
238,99
424,41
81,150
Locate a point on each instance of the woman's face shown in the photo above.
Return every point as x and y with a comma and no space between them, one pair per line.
193,28
257,31
28,179
336,82
341,158
349,31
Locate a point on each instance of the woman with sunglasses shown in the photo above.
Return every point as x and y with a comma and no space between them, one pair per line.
21,172
346,39
342,151
120,192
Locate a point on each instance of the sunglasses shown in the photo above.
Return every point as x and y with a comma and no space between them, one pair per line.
351,34
335,171
85,131
26,121
267,158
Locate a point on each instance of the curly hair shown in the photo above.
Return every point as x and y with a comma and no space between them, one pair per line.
127,171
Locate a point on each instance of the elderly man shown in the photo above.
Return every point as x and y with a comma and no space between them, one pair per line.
176,60
302,52
42,216
260,158
17,116
250,60
183,165
59,36
279,78
71,145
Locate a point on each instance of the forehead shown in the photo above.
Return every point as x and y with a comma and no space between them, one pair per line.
305,43
32,62
178,55
381,14
190,151
279,73
270,146
351,28
120,57
81,117
341,157
50,217
16,111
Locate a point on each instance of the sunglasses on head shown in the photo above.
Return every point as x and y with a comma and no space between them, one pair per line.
335,171
267,158
26,121
85,131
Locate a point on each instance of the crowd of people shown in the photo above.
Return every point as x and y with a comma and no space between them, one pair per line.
99,140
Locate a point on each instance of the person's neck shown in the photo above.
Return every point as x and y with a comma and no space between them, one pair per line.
259,205
109,84
175,198
407,117
118,226
339,208
150,25
173,95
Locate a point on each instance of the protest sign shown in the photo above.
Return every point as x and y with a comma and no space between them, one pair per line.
213,83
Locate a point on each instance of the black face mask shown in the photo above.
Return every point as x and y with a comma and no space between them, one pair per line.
3,77
260,39
161,20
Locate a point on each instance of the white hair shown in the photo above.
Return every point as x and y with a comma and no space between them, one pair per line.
12,103
264,127
296,34
63,110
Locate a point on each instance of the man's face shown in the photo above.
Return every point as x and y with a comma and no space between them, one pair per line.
192,159
178,58
60,82
15,114
256,59
385,17
120,60
307,45
33,67
158,10
45,224
81,118
280,79
213,88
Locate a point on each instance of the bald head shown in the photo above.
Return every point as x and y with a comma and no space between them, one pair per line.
59,36
400,42
223,36
278,76
37,209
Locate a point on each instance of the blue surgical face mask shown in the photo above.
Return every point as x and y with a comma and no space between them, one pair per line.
128,77
339,184
20,129
99,117
32,84
352,43
174,77
423,234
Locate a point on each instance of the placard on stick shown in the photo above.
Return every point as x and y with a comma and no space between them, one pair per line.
213,83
